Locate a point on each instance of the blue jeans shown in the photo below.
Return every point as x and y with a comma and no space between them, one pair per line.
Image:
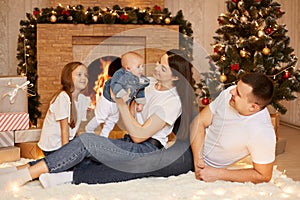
176,160
100,149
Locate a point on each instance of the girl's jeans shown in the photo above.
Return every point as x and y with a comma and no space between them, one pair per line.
103,150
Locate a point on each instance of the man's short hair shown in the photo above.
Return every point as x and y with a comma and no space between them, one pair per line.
262,87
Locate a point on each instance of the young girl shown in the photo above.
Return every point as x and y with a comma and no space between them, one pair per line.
67,109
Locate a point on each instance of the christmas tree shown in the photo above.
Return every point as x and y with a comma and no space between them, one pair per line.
249,39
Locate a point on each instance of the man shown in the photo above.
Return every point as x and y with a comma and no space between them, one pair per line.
236,124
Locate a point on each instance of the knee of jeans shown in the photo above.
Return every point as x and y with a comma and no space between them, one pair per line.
85,135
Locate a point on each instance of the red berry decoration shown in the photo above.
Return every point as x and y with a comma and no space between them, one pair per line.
234,1
269,31
205,101
220,20
286,74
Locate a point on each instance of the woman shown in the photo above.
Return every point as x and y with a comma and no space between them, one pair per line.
175,160
149,134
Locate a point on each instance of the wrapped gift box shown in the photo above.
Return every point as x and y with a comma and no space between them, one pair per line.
30,150
6,138
9,154
13,94
275,121
30,135
14,121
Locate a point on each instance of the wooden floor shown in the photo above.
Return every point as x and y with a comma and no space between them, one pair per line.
290,159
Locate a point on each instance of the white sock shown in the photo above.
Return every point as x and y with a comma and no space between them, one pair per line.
52,179
14,179
8,170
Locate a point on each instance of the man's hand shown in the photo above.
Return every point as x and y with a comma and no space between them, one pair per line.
258,174
207,173
198,166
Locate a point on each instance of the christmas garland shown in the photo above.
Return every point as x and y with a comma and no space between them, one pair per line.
78,15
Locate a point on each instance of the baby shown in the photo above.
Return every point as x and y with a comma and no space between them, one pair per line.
129,78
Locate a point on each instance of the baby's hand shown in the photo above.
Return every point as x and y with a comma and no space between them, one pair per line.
118,100
139,107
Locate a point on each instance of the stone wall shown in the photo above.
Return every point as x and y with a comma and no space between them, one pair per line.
58,44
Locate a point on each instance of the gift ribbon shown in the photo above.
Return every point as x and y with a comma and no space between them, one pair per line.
13,93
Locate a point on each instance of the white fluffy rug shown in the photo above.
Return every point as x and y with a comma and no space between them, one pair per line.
184,186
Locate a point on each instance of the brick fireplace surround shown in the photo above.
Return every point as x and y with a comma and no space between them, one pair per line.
58,44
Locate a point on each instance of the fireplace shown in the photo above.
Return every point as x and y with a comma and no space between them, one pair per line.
99,71
58,44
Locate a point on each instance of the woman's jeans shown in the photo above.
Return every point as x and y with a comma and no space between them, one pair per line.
175,160
100,149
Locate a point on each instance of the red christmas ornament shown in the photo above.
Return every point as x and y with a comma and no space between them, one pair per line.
36,12
234,1
286,74
157,8
216,50
205,101
124,17
257,1
220,20
269,31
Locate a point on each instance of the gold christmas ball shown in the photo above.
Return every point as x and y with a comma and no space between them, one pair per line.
266,51
53,18
244,19
95,18
241,5
243,53
223,78
167,20
223,58
260,33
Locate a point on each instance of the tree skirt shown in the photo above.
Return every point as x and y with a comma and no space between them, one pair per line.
184,186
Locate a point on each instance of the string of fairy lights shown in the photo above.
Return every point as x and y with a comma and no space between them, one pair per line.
96,14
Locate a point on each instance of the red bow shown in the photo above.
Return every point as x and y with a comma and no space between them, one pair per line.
235,66
65,12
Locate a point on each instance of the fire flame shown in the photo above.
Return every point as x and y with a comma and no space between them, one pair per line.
102,78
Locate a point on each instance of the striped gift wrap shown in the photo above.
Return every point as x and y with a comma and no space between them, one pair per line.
14,121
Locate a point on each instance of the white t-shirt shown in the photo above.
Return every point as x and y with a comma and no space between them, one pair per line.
232,136
50,139
165,104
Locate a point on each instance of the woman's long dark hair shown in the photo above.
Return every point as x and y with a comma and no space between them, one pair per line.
181,67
